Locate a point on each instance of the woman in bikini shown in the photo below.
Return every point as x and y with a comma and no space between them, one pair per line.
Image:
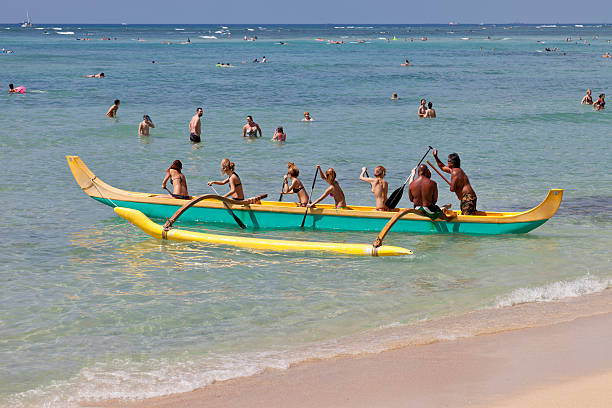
227,168
251,128
279,134
178,181
600,103
296,186
379,186
333,190
587,99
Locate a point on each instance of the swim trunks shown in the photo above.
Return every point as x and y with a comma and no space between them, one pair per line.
194,138
431,211
468,204
180,197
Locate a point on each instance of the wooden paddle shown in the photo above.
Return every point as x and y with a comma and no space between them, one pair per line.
240,223
396,196
282,187
432,166
310,196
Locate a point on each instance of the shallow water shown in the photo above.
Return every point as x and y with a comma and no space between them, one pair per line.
95,309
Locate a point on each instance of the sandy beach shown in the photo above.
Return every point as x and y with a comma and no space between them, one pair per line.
565,364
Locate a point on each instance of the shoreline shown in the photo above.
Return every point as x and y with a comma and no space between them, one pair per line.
565,342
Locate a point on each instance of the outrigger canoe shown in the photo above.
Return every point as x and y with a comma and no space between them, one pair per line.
281,215
157,231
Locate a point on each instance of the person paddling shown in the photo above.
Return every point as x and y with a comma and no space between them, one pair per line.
227,168
333,190
380,187
460,184
296,186
178,181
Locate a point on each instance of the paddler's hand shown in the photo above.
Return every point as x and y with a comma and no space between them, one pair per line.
210,183
363,169
413,172
435,153
285,178
319,166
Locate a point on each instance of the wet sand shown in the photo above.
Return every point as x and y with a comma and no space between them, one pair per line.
565,364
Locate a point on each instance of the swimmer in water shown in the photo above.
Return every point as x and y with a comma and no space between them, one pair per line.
587,99
112,111
143,127
600,103
307,117
333,190
178,181
422,109
251,128
227,168
195,126
394,97
431,112
19,89
296,186
379,186
406,64
100,75
279,134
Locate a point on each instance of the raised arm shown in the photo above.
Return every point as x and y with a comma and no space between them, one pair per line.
321,172
151,124
362,176
440,164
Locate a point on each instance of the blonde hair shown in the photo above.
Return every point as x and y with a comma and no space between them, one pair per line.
306,113
330,175
380,171
292,169
227,165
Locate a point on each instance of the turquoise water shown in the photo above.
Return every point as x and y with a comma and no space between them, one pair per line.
94,309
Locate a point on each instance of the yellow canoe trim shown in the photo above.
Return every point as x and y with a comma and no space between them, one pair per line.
94,187
155,230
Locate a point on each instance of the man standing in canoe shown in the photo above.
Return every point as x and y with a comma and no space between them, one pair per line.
460,184
423,192
195,126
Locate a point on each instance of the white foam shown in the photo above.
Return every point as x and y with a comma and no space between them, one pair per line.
66,32
208,37
179,29
555,291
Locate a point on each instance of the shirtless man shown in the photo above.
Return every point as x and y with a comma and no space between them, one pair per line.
379,186
431,112
100,75
423,192
251,128
112,111
178,181
460,184
422,109
143,127
587,99
195,126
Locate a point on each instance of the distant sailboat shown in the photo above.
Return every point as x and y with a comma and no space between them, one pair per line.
27,23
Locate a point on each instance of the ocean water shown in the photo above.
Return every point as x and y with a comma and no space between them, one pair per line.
93,309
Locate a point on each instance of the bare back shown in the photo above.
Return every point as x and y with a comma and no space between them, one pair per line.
423,192
460,184
195,126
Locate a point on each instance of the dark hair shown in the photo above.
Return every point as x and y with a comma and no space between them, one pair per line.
430,105
423,100
454,158
249,117
176,165
200,109
101,74
117,101
11,86
424,171
280,129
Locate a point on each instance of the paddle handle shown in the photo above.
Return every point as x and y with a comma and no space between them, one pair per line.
437,171
280,198
314,180
238,220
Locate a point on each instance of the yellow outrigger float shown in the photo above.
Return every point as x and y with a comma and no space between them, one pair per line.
157,231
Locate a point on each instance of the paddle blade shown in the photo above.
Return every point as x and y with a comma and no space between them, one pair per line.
395,198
